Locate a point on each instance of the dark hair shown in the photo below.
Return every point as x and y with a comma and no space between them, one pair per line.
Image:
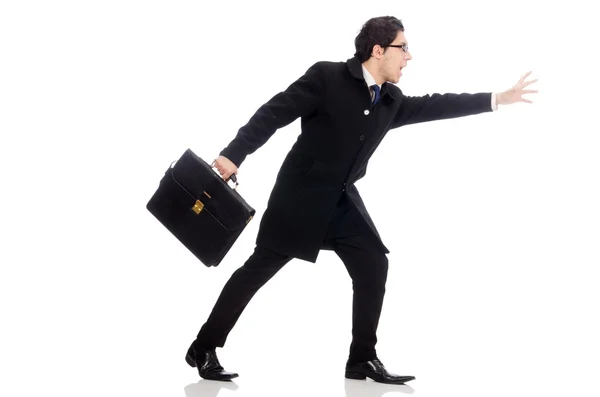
379,30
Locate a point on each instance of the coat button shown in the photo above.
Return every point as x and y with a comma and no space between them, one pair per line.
362,137
367,112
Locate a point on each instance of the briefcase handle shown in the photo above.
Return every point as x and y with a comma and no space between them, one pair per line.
233,178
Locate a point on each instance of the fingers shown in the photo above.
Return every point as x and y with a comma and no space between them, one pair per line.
225,168
522,79
529,82
219,168
529,91
227,175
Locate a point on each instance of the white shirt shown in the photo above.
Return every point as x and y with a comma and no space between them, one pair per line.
370,81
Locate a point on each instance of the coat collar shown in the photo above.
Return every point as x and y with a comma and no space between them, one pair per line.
355,68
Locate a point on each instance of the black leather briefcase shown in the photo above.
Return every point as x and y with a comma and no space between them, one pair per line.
200,209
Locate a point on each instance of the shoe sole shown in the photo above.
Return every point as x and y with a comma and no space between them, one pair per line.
361,376
355,375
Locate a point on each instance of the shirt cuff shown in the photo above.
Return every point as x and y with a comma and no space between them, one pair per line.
494,104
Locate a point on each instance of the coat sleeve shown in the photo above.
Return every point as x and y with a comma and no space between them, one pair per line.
300,99
418,109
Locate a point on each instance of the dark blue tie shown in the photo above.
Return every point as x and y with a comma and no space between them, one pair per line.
376,89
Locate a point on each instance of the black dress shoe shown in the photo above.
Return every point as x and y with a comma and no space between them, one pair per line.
375,370
208,365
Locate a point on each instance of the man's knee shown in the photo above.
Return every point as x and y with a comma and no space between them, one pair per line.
264,260
380,267
372,273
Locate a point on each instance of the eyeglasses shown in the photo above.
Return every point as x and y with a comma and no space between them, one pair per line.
403,46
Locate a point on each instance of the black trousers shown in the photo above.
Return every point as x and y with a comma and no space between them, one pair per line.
350,238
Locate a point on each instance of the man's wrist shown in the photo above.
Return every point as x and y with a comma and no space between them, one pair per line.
500,100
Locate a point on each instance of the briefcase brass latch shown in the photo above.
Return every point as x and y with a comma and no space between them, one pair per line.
197,208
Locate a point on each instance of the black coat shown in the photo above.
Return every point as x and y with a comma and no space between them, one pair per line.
340,132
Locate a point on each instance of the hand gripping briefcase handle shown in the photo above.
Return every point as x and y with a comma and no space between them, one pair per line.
232,177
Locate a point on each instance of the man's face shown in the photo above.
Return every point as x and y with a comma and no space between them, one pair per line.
394,59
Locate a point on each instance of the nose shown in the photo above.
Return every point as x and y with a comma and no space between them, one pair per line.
408,56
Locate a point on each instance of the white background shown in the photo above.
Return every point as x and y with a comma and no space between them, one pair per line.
492,220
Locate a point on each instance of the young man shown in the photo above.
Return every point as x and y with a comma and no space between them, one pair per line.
346,108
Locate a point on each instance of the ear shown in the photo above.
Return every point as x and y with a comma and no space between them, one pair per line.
377,51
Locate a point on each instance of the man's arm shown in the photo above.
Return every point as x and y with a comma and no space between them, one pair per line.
440,106
299,99
437,106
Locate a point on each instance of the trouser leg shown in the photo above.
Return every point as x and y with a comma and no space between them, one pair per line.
368,271
367,264
260,267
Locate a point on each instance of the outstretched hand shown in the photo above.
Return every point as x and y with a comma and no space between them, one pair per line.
515,94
